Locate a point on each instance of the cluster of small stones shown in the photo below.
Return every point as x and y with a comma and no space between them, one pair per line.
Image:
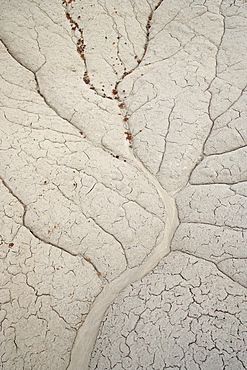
81,50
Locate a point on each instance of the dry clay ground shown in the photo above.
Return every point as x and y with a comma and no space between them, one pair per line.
123,184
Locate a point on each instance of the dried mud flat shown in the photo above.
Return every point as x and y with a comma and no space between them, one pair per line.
123,184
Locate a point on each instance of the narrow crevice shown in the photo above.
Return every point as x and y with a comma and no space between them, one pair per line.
117,240
235,228
234,102
165,138
213,263
89,260
26,226
96,223
15,58
43,240
225,152
203,155
218,183
83,135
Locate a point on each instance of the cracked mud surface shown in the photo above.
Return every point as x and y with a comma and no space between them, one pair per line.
123,184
